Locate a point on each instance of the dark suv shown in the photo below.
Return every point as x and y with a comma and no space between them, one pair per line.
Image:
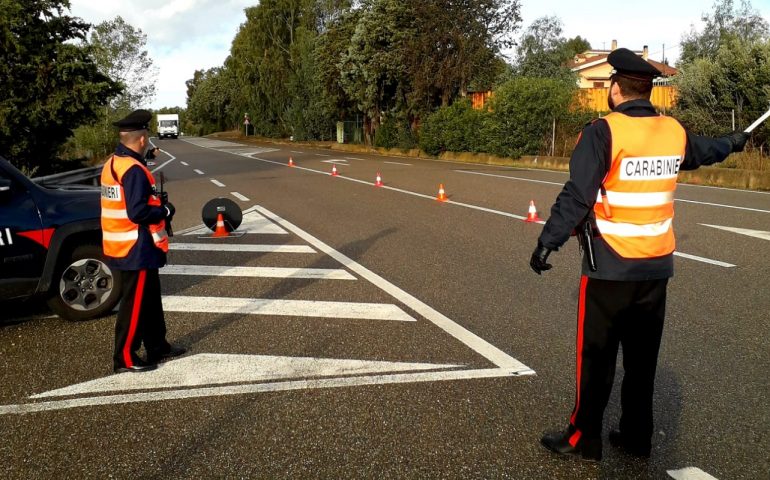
51,246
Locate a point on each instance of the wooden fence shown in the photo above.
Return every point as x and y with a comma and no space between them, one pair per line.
663,98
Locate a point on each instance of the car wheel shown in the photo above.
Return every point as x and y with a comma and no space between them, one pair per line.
84,286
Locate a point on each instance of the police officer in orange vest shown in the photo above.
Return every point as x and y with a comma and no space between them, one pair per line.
135,242
620,198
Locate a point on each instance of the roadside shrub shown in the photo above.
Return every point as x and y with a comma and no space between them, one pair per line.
394,133
456,128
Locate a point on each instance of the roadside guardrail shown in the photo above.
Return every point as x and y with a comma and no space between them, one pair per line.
81,176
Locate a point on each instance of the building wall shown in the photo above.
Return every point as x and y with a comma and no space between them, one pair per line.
599,73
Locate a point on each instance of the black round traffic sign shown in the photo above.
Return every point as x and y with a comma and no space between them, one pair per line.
231,213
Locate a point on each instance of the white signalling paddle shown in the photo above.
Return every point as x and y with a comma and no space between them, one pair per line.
758,122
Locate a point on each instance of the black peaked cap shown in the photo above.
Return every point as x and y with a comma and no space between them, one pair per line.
628,64
136,120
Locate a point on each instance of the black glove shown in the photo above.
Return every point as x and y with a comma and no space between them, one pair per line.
170,210
539,257
738,140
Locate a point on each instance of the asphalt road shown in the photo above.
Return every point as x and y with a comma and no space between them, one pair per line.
391,335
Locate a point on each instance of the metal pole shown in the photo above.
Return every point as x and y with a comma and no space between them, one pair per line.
553,138
733,115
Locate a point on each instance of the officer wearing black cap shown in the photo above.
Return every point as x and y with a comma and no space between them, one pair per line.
620,201
135,241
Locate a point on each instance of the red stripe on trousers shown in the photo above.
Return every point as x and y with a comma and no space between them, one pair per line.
579,346
135,310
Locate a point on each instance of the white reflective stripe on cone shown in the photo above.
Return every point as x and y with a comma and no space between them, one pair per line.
632,230
626,199
114,213
121,236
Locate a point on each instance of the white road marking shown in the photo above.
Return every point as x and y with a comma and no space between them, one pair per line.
252,223
354,158
217,182
677,199
399,163
257,272
704,260
198,172
124,398
217,369
291,308
723,205
294,151
764,235
478,344
185,164
509,177
322,155
337,162
240,197
165,163
229,247
690,473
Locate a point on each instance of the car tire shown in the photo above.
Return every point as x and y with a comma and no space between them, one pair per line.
84,287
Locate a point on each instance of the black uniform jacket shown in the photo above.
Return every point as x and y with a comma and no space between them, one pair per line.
588,166
144,254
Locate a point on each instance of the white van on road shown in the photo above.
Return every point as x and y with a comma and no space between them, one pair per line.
168,125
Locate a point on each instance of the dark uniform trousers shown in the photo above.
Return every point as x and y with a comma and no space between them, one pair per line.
612,313
140,318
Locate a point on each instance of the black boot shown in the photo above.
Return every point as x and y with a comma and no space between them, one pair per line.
589,449
635,447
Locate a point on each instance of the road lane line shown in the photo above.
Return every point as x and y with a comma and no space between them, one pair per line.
294,151
704,260
764,235
473,341
217,182
509,177
354,158
124,398
185,164
322,155
723,205
399,163
488,210
240,197
226,247
290,308
198,172
257,272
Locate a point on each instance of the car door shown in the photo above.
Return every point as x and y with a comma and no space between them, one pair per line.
22,240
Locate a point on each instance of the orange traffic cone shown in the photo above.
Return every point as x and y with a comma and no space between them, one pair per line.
532,214
441,194
291,162
221,230
378,180
334,171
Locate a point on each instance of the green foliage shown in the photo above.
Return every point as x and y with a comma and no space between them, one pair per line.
726,21
118,49
395,133
522,112
50,83
456,128
543,52
733,77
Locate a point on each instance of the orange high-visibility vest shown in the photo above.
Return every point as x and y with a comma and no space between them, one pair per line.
119,233
635,217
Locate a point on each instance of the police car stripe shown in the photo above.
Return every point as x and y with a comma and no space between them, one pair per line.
626,199
632,230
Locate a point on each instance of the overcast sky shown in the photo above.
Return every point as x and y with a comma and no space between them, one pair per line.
188,35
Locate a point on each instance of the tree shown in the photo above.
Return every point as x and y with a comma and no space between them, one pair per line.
544,53
727,20
118,49
49,81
